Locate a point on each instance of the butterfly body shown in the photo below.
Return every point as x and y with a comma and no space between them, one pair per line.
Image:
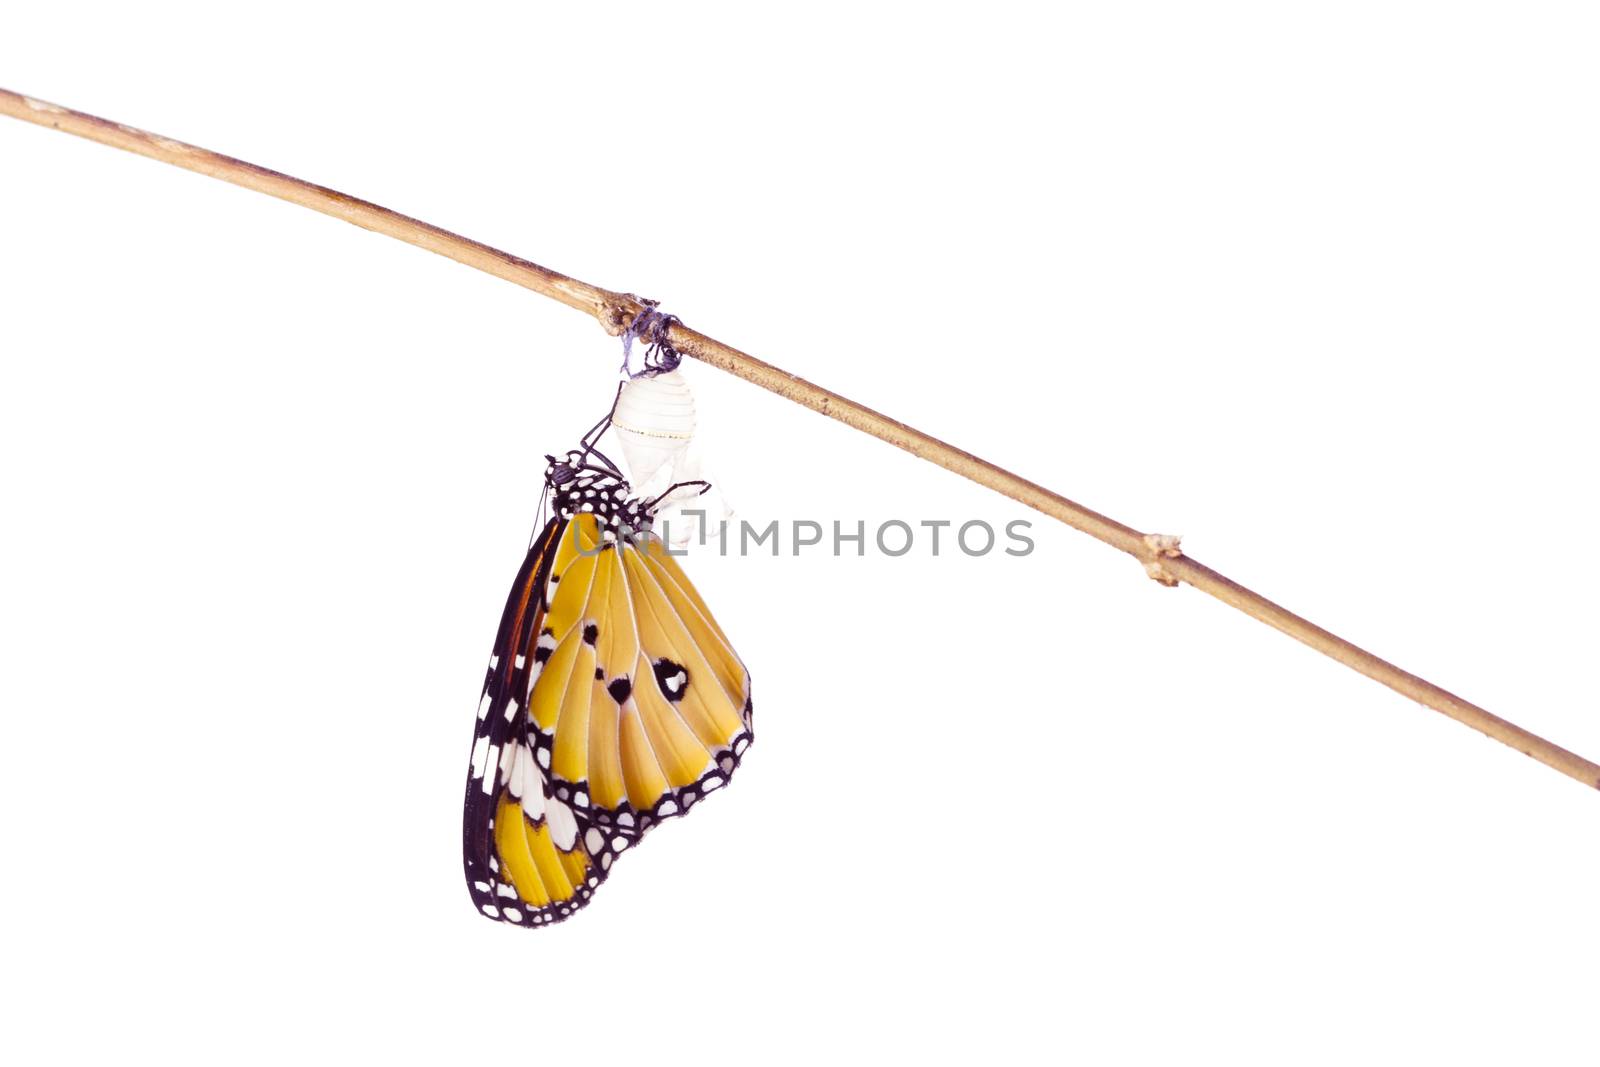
613,701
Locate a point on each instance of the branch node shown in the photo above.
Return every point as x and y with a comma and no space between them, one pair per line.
1162,546
618,310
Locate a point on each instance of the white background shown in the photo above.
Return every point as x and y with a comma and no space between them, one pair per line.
1312,285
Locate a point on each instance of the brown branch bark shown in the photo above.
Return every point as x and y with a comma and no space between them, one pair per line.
1161,557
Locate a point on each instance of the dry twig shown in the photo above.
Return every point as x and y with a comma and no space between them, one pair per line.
1160,554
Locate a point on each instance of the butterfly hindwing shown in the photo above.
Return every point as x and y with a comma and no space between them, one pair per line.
643,705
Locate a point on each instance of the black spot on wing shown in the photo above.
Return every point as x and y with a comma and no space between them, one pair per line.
673,679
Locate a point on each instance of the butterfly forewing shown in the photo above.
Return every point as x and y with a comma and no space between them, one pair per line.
523,858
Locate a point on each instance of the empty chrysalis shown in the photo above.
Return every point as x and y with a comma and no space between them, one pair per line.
654,420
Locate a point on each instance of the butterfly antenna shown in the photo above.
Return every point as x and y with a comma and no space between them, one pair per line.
705,487
543,514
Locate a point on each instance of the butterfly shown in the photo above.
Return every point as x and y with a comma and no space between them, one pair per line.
613,700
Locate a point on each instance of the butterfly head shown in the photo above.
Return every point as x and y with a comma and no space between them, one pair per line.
577,486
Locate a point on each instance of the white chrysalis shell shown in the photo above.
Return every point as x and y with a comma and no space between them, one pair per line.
654,421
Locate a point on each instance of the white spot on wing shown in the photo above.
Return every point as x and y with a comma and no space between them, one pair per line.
515,780
533,802
492,760
480,750
563,827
